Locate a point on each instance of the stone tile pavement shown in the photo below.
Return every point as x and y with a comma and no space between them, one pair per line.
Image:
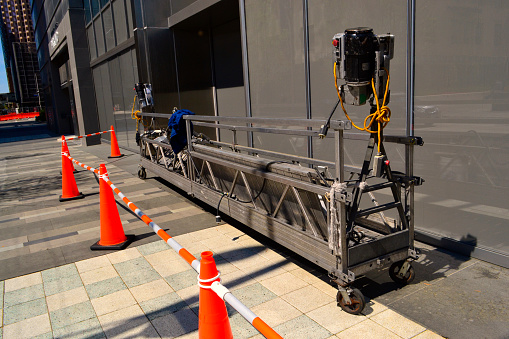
38,232
148,291
41,240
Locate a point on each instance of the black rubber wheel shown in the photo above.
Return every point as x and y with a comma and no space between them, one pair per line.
393,273
142,174
357,299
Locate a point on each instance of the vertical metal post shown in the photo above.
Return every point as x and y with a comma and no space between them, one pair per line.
339,155
190,167
410,82
176,66
340,175
410,67
145,37
307,72
213,76
245,66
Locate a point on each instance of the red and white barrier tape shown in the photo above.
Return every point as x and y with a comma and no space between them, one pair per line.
216,286
185,254
88,135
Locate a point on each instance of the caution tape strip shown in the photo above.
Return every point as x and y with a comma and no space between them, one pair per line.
222,291
89,135
188,257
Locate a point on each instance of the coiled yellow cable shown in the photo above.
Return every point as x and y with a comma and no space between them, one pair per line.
382,115
134,115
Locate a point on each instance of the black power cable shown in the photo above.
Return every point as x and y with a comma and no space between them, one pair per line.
325,128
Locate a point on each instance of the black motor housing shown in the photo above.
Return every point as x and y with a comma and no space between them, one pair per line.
360,46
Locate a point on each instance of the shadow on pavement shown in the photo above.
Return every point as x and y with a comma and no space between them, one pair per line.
24,130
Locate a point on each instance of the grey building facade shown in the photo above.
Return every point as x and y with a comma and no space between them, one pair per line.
273,58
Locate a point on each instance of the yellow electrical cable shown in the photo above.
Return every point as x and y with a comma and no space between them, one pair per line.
382,114
134,115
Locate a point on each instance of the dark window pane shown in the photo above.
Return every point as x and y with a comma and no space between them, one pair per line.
108,29
120,20
127,69
88,12
99,96
104,3
119,113
91,42
99,36
95,7
129,18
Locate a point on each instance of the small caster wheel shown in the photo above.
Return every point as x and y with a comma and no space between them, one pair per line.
142,174
407,278
357,299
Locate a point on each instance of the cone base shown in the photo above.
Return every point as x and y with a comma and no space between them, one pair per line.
79,196
116,156
75,171
120,246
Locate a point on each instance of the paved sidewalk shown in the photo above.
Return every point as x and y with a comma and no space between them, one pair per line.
37,231
149,292
52,277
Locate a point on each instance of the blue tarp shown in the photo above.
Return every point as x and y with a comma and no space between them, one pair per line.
177,126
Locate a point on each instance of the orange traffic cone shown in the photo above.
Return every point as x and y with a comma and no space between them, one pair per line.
213,318
66,149
69,187
115,151
112,232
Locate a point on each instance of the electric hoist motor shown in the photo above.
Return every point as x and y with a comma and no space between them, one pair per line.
361,56
144,94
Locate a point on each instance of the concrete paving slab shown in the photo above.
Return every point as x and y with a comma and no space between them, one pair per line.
98,274
113,302
23,295
398,324
367,329
105,287
151,290
87,329
136,272
175,324
276,311
22,282
307,298
162,305
302,327
72,314
32,327
66,299
62,284
182,280
24,311
129,322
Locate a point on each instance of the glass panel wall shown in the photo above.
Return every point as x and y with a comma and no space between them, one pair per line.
91,42
324,23
88,12
462,92
114,81
98,26
120,20
130,26
112,25
95,7
109,32
129,75
118,101
276,68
